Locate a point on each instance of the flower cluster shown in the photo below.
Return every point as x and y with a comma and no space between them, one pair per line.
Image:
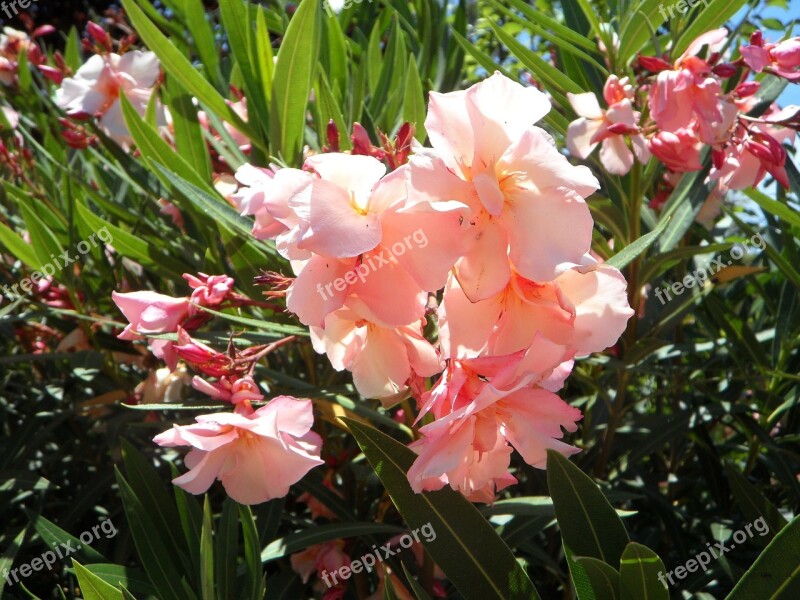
491,200
696,102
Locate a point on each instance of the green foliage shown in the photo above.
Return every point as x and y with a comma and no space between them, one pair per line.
690,422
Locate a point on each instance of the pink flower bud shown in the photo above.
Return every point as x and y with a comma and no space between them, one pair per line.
654,64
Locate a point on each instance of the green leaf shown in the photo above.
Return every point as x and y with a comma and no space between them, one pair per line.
212,204
52,535
119,575
179,67
189,140
414,101
637,247
639,573
419,592
589,524
638,26
254,576
92,587
18,247
291,86
469,551
603,578
155,149
156,558
776,573
195,16
240,30
557,83
226,546
773,207
207,554
705,18
753,504
300,540
7,558
44,242
135,247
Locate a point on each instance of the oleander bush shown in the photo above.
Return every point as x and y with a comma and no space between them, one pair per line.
386,299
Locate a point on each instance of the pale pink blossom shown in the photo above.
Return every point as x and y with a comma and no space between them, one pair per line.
364,238
208,290
257,455
781,59
679,150
327,557
95,89
484,407
523,194
150,312
230,389
240,139
688,94
383,359
608,127
583,311
746,163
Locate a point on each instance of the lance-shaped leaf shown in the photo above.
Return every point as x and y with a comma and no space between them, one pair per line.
641,573
466,546
776,573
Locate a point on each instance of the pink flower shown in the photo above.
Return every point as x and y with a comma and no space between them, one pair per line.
256,455
581,312
265,194
483,408
365,239
679,150
95,89
689,93
150,312
208,290
745,164
781,59
230,389
610,127
383,359
523,194
327,557
240,108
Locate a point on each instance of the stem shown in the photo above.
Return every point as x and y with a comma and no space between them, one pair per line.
617,407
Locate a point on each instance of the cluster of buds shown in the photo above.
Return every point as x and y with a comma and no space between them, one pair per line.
14,43
689,111
394,151
75,135
99,41
153,313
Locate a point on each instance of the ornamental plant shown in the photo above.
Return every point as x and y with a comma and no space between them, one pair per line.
401,300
